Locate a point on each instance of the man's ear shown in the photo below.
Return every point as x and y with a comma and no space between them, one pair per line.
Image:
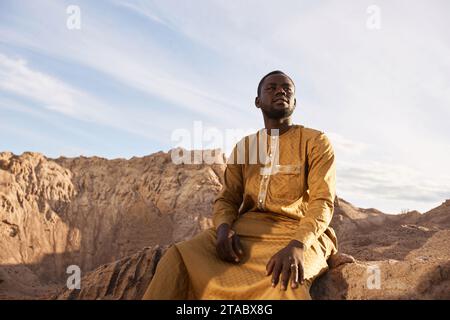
257,102
295,102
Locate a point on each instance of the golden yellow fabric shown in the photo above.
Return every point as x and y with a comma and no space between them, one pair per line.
295,201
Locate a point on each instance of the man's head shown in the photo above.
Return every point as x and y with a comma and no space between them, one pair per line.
276,95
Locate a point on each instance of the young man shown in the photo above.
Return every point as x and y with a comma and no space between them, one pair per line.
271,235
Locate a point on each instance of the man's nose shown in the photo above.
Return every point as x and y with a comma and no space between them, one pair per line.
280,90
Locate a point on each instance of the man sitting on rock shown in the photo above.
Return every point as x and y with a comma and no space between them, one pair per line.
271,235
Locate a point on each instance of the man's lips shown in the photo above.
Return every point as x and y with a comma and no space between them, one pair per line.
280,99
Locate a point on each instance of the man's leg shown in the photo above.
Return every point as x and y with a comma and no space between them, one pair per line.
171,281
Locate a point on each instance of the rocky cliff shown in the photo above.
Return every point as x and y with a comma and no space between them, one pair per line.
115,218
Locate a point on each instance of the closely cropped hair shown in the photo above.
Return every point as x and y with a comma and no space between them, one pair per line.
269,74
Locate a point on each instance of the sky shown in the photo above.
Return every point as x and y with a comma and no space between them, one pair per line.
117,78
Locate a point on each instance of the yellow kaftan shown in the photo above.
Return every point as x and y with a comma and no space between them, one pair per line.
276,188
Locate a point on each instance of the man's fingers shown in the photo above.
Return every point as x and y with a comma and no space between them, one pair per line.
237,246
224,252
229,248
269,266
294,275
232,256
285,275
276,273
301,273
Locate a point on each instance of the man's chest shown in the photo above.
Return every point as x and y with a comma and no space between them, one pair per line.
281,177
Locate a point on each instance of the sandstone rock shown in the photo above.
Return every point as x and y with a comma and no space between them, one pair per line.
99,214
90,211
413,279
127,278
402,280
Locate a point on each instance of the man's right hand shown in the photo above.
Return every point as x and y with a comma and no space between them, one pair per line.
228,245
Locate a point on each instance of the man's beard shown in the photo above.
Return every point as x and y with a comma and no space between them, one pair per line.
279,113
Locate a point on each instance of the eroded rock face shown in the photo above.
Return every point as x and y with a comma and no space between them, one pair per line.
92,211
127,278
398,280
424,274
115,218
404,256
369,234
410,279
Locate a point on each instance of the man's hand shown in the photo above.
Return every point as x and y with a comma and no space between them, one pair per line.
289,263
228,245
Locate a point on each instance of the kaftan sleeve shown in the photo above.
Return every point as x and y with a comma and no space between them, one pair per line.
322,191
228,201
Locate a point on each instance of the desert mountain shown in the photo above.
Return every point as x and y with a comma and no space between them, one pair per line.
115,218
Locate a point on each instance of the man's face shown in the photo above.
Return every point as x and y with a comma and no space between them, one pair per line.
277,97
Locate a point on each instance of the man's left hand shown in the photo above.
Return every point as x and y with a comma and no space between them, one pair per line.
288,262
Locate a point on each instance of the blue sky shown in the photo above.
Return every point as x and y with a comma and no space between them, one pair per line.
136,71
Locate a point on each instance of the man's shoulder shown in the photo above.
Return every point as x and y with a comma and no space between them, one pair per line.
310,133
314,138
248,137
306,132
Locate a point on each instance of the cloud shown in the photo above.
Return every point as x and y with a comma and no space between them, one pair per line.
381,96
345,145
141,9
137,62
18,78
386,182
364,81
54,95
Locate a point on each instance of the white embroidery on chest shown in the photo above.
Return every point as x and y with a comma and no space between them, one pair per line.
271,168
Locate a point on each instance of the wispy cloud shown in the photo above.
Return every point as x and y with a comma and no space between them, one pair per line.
381,96
345,145
141,9
136,62
53,94
388,184
16,77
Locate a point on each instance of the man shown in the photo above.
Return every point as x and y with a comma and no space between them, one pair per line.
271,235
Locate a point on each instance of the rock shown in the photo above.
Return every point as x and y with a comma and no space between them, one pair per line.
127,278
90,211
115,218
384,280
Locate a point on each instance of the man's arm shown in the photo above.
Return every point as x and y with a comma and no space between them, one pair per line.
228,201
322,191
288,262
226,211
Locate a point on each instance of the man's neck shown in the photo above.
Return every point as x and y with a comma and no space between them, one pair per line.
282,125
